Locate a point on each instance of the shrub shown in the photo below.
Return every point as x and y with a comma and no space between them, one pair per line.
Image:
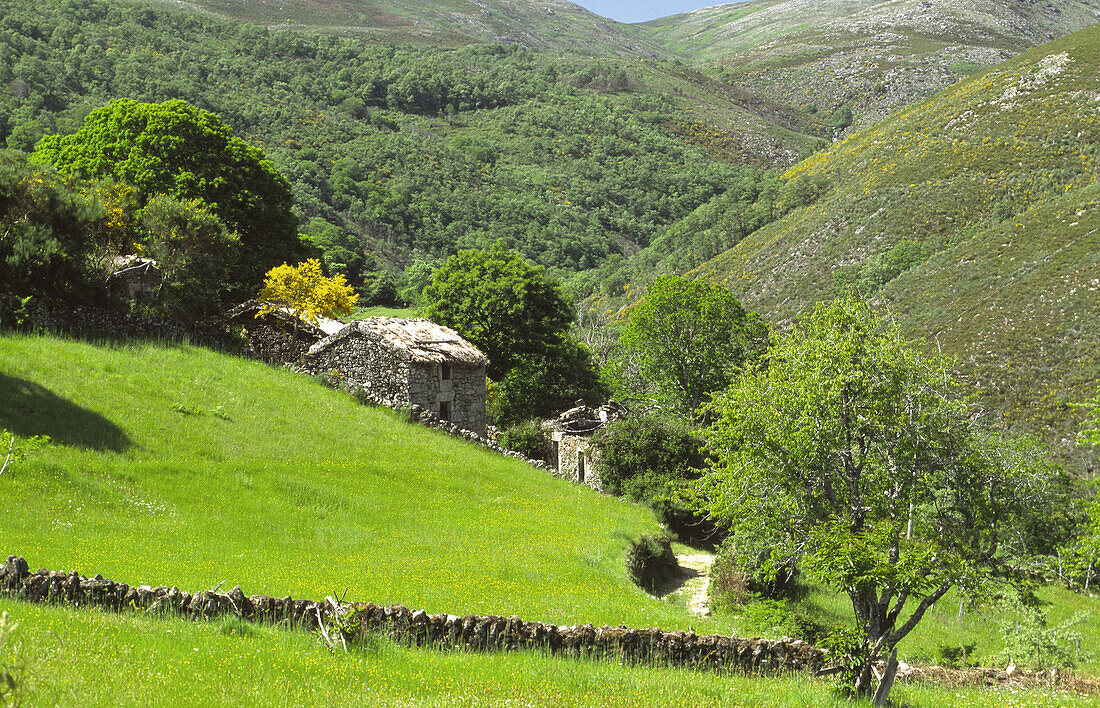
646,444
661,493
749,569
650,561
526,439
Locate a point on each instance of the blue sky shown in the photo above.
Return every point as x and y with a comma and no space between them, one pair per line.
642,10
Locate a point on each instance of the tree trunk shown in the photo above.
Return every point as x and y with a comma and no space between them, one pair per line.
887,682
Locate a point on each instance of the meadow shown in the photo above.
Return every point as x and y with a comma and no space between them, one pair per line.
175,465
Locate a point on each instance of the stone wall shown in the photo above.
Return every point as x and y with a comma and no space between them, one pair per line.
463,393
575,458
356,362
350,621
277,345
98,323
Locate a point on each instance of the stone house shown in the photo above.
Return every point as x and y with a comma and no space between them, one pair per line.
573,454
400,362
279,335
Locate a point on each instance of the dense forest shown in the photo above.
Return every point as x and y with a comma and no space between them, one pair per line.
396,156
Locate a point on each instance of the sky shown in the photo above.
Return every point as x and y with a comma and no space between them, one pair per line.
642,10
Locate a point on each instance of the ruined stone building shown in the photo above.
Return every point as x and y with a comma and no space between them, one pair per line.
399,362
277,334
137,277
573,455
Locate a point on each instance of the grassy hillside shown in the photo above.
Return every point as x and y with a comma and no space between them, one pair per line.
175,465
975,217
869,57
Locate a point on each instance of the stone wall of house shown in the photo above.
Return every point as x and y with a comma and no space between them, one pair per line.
575,458
417,628
463,393
356,362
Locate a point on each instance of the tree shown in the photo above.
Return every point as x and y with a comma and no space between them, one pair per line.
506,307
519,318
194,251
50,229
176,149
857,459
689,337
305,290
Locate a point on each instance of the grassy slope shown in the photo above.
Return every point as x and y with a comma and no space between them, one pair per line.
995,182
871,56
180,466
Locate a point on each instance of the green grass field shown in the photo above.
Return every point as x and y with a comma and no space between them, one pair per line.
64,656
174,465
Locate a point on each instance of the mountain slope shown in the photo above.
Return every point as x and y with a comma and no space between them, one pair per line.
868,57
975,217
550,25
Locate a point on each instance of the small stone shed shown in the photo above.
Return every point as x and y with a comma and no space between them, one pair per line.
277,334
405,362
573,455
138,277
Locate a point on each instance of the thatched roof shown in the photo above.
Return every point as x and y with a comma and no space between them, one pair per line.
247,311
421,341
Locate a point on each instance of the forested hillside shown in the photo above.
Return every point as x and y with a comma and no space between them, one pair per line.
411,153
974,217
549,25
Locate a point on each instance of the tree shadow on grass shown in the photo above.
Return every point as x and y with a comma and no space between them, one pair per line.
28,409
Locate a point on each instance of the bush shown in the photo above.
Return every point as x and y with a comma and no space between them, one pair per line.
747,570
787,619
650,561
647,444
660,492
526,439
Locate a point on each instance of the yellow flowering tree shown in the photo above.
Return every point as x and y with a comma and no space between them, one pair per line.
304,289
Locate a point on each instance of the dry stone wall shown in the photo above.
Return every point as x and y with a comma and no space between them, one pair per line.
418,628
365,365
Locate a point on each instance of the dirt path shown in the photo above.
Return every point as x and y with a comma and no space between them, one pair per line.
693,582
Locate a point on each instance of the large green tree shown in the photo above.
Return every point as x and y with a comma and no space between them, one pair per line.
689,337
508,308
520,319
177,149
857,459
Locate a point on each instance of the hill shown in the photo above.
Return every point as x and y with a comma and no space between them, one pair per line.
178,466
975,218
548,25
866,58
410,153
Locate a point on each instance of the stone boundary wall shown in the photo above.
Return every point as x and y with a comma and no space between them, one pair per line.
104,323
418,628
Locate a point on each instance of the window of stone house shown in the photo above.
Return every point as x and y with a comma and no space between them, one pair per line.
444,410
445,372
580,466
